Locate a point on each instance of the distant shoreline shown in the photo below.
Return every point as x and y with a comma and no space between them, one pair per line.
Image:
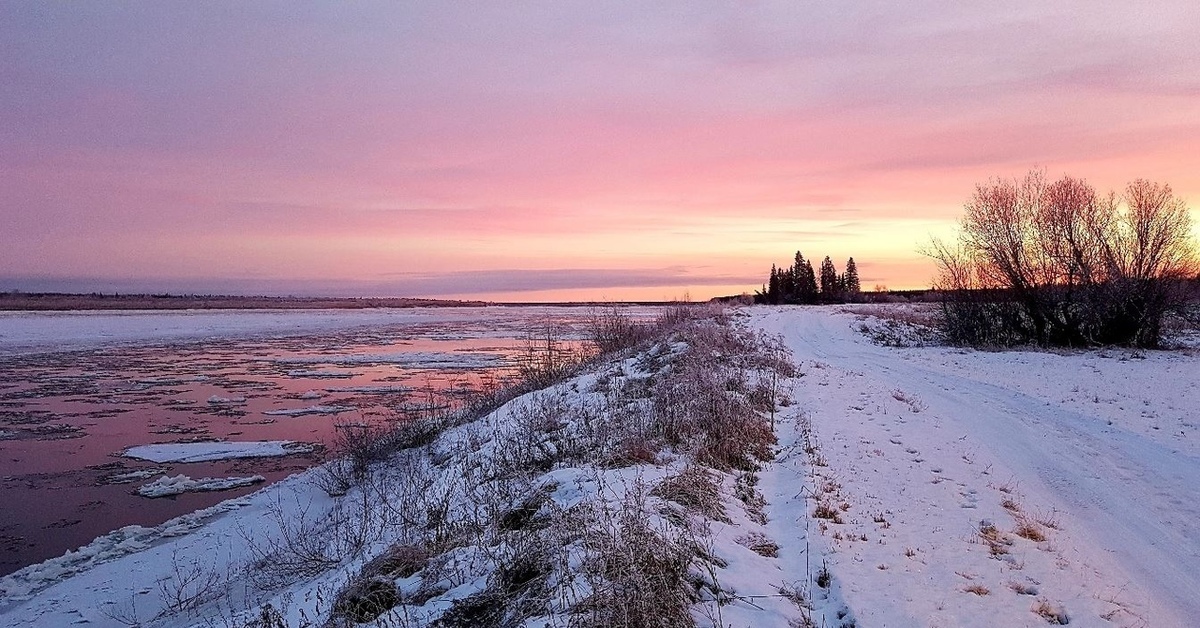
63,302
51,302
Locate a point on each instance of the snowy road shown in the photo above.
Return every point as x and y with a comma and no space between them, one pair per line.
1104,444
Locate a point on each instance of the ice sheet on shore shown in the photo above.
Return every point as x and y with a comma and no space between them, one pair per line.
166,486
208,452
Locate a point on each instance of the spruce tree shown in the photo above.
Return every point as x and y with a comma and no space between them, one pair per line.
808,283
773,287
853,287
829,280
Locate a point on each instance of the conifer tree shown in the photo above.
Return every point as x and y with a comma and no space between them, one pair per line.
808,283
853,287
773,287
829,280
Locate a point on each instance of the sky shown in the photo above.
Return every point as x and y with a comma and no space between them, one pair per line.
556,150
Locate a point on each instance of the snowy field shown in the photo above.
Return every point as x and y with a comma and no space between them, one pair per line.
923,486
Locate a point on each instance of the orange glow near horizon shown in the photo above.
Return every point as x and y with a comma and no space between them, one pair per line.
569,153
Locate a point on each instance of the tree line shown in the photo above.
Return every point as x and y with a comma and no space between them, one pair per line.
799,284
1057,263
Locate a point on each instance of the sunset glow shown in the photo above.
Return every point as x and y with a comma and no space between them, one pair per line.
568,150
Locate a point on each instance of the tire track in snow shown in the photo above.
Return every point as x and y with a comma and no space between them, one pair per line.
1129,499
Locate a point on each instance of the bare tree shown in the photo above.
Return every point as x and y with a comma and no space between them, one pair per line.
1058,264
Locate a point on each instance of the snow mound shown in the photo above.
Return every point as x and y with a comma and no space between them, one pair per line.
180,484
208,452
311,394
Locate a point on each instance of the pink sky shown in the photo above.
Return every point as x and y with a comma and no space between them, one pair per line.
582,150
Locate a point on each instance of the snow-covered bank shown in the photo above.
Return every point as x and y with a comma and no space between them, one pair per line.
907,487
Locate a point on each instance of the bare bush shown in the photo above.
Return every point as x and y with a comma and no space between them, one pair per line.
305,545
189,586
637,573
612,330
696,489
1058,264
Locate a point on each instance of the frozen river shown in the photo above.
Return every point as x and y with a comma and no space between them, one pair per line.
79,388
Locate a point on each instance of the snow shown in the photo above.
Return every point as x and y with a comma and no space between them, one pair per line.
1096,450
210,451
295,412
166,486
931,459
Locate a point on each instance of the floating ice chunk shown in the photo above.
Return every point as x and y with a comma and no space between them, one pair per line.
315,374
370,389
168,486
133,476
309,410
410,359
215,400
207,452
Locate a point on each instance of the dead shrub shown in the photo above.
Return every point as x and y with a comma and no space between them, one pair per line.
638,574
1023,588
1029,530
612,330
977,589
365,599
760,544
1052,613
826,510
753,502
996,541
696,489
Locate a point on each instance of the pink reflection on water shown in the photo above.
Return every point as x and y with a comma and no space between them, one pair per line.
65,418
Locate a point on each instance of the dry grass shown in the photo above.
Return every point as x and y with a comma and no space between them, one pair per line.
1052,613
1023,588
696,489
977,589
996,540
828,511
1027,529
760,544
752,500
